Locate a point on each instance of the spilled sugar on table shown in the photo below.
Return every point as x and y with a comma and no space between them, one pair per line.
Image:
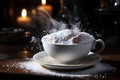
16,62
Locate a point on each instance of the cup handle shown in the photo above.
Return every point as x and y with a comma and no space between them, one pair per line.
102,46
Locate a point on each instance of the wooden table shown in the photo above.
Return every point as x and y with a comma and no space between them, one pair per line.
13,54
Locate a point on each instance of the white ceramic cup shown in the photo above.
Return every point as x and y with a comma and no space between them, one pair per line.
67,53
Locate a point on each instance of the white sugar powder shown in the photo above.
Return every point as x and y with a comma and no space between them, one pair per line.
68,36
38,69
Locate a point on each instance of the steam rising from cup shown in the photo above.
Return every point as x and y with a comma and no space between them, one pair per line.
42,23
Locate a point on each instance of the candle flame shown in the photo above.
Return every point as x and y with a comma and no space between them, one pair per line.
24,13
43,2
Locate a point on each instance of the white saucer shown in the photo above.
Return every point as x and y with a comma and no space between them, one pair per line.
50,63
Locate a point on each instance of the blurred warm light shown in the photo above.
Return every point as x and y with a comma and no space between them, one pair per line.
24,13
43,2
45,7
33,11
11,13
27,34
25,52
23,19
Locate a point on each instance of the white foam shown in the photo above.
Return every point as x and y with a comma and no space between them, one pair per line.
68,36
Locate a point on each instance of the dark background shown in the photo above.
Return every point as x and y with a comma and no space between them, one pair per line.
104,19
10,9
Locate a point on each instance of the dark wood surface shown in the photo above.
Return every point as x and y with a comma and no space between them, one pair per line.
12,54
